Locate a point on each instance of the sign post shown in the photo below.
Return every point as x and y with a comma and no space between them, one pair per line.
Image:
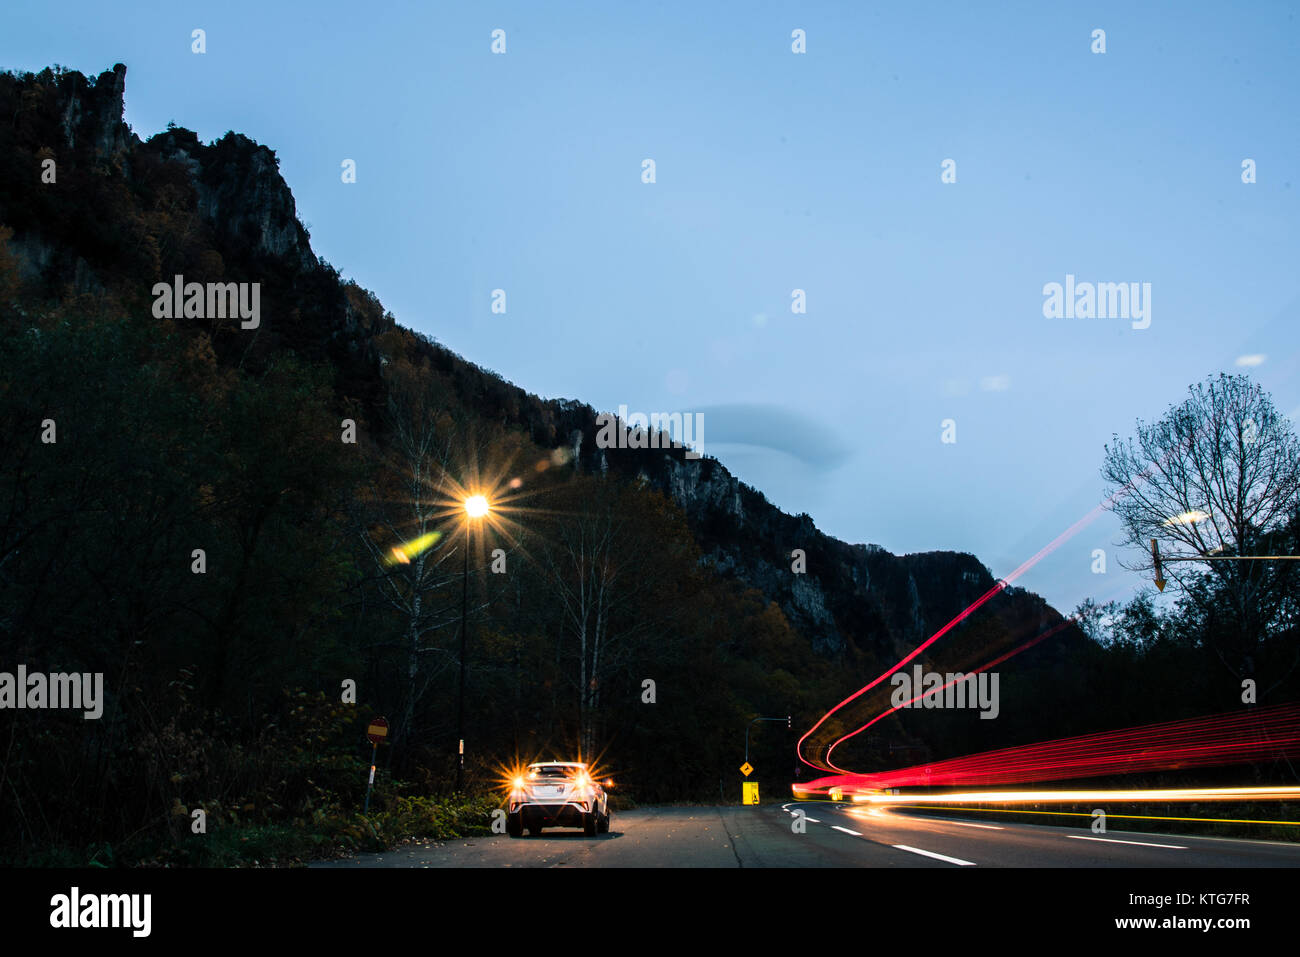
377,732
749,789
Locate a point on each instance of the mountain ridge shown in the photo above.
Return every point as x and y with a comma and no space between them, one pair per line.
236,219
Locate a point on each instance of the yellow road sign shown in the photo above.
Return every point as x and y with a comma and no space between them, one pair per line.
749,792
746,769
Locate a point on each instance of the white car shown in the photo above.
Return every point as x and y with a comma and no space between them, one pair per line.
557,794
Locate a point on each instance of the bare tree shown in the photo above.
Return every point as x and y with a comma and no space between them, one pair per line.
415,548
607,566
1215,478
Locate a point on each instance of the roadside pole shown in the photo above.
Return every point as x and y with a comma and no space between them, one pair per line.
749,789
376,732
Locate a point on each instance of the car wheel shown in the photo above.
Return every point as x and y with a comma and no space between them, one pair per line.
535,831
589,824
603,826
515,825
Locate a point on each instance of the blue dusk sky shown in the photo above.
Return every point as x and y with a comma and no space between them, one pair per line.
777,171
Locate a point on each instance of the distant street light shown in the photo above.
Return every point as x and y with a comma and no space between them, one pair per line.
476,506
786,719
1210,556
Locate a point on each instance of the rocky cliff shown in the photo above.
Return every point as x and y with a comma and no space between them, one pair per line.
130,211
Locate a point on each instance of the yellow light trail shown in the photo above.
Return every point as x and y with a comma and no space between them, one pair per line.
1133,817
1071,797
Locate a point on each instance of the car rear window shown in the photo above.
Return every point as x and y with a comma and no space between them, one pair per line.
552,772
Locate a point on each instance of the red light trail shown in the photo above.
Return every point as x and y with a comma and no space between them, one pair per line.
1217,740
996,661
1242,736
966,612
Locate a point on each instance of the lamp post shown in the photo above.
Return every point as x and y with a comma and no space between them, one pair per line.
476,506
751,724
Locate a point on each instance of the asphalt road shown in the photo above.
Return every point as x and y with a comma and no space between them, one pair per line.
834,835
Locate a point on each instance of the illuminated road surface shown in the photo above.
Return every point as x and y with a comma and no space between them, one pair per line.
836,835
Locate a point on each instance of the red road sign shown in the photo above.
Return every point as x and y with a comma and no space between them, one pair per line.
378,730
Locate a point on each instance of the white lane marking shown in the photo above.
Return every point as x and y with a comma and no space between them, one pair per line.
991,827
937,857
845,830
1111,840
785,807
813,820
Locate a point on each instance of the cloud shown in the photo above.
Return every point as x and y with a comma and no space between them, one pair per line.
995,383
777,428
1255,359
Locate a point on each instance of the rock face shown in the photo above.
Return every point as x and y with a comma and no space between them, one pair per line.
93,110
850,595
241,195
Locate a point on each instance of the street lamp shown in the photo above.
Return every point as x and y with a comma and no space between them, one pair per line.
476,506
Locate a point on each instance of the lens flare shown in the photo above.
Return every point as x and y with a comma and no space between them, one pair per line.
404,553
